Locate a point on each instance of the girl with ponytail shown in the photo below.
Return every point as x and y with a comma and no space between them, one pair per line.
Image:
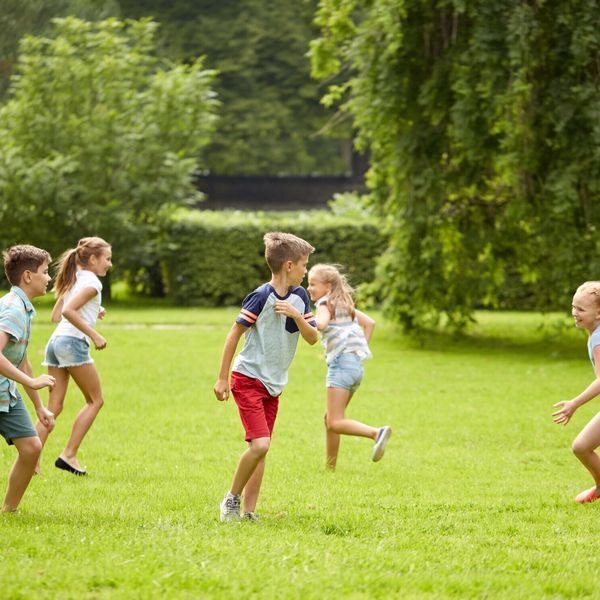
78,304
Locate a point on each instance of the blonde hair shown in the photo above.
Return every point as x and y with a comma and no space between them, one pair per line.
591,288
340,296
280,247
76,257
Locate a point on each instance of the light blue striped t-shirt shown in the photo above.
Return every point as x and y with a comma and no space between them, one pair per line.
343,335
593,341
271,339
16,312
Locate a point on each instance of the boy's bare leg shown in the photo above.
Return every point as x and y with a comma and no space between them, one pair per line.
252,488
29,449
56,399
584,445
257,450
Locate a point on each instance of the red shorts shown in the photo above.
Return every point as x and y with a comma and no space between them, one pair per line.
258,409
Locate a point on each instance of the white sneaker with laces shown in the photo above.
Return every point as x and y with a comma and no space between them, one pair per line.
230,507
383,435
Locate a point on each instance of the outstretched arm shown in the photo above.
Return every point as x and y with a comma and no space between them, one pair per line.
568,407
23,375
221,387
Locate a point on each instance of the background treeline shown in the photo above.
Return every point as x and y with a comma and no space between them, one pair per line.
271,120
483,121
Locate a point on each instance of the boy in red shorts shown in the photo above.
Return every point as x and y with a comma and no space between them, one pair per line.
273,316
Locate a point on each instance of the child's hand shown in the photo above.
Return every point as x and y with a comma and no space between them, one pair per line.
285,308
99,341
45,417
221,389
101,312
37,383
567,408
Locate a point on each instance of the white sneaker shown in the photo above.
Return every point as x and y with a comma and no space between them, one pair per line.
230,507
383,436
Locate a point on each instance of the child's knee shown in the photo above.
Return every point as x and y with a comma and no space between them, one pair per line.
260,446
580,448
96,401
31,449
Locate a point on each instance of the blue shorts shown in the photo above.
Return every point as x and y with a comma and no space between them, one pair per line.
16,423
66,351
345,371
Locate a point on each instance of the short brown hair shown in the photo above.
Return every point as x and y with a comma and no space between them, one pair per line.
280,247
21,258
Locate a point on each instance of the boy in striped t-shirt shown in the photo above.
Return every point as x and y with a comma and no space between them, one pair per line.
26,268
272,317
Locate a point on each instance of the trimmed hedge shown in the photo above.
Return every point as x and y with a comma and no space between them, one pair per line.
215,258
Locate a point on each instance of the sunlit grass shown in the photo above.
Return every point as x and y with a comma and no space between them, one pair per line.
473,498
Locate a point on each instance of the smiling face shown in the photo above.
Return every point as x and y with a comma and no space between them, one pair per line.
101,263
585,310
317,288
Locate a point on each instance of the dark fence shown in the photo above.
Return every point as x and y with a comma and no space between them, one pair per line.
286,192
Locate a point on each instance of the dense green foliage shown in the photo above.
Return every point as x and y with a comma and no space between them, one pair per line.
33,17
99,137
482,119
216,258
270,116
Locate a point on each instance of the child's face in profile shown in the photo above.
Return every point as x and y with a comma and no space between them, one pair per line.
316,287
297,270
585,311
38,280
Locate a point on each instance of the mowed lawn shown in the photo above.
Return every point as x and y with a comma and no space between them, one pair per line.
474,497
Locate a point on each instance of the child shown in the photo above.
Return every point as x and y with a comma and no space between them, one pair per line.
345,335
586,312
272,317
78,292
26,269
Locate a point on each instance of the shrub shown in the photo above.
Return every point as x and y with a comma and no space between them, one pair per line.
216,258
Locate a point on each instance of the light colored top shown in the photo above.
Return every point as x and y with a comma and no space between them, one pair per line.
88,312
271,339
16,312
593,341
343,335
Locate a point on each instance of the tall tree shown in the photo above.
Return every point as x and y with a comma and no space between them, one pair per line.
482,121
99,136
32,17
271,118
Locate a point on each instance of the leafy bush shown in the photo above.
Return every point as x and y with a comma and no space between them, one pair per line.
216,258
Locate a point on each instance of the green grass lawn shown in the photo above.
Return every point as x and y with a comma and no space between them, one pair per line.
474,497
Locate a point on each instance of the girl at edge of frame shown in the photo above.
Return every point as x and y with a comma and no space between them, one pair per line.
586,312
345,334
78,305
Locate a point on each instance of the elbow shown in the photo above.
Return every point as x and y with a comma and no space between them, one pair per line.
67,313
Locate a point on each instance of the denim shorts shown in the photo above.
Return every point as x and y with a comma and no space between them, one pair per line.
345,371
67,351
